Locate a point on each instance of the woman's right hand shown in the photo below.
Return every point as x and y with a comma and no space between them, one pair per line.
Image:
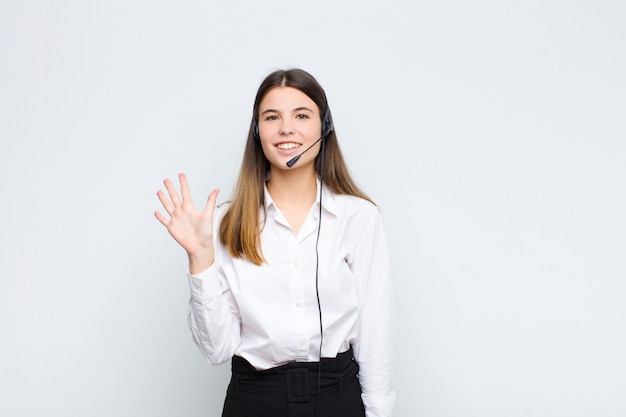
191,228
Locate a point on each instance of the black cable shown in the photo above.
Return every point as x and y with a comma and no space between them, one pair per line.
317,292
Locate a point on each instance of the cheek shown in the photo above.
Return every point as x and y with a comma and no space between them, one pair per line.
266,146
318,128
266,134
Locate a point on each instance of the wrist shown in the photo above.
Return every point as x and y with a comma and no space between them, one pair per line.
200,261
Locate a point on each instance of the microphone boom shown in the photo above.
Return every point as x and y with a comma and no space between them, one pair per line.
293,160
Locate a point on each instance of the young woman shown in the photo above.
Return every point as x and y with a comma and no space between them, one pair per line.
290,279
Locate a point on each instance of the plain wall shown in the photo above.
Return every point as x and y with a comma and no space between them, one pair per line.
491,134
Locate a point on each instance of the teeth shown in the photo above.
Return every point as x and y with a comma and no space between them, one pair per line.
287,145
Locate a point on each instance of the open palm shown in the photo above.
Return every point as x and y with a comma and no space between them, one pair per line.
190,227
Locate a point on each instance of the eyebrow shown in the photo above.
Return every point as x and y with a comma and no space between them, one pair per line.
293,111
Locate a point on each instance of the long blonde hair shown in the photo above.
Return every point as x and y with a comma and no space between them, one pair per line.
240,229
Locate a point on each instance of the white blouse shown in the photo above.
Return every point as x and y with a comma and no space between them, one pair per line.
269,314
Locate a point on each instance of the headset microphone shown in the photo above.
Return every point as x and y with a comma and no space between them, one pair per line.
293,160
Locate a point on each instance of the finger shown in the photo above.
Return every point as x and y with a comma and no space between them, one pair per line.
161,218
184,188
166,204
210,203
172,192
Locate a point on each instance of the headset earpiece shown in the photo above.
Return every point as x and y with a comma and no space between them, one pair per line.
327,123
255,130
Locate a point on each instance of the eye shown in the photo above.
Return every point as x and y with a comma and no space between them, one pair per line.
271,117
302,116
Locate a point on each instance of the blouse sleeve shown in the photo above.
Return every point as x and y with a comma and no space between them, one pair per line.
214,318
374,347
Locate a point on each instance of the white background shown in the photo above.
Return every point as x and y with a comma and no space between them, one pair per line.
491,134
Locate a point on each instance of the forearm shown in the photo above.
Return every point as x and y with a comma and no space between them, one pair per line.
213,324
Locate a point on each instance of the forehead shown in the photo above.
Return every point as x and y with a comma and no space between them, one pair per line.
286,99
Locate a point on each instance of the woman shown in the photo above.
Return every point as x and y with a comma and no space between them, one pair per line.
293,269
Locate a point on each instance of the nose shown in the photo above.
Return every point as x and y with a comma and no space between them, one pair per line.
286,128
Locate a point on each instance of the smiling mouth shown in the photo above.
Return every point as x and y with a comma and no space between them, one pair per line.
288,145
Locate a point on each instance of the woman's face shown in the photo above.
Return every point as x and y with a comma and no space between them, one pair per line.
289,122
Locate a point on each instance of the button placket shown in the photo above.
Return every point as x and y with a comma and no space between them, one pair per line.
297,296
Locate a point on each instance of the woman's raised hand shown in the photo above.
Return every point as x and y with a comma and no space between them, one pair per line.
191,228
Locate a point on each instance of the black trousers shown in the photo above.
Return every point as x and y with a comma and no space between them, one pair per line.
292,390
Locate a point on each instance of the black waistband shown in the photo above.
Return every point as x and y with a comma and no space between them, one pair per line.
332,365
296,380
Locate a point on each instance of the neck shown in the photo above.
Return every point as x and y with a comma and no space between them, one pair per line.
293,187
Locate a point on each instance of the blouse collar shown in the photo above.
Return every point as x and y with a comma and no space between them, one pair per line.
328,198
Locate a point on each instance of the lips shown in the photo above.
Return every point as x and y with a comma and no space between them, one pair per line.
286,146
